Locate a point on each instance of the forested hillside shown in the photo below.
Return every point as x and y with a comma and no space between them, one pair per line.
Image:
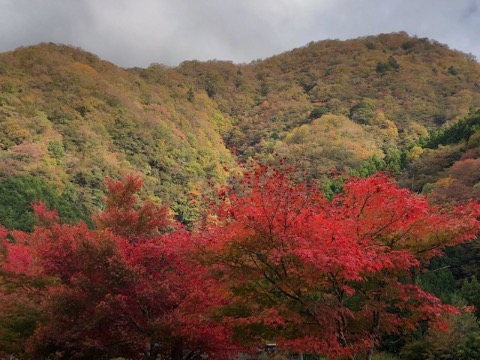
71,119
446,165
310,247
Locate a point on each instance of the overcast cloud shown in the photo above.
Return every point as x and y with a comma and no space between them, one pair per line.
140,32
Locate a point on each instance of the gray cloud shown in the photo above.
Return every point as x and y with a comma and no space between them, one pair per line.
139,32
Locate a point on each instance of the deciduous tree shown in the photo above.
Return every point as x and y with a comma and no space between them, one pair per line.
128,288
328,277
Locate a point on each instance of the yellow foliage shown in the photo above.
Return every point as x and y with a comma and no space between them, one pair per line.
174,124
331,141
414,153
84,68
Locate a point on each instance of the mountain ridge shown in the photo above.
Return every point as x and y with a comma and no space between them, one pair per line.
72,119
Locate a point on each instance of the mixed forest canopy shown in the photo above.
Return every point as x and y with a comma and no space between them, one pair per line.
318,119
71,119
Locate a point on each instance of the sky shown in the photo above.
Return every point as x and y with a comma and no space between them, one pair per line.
133,33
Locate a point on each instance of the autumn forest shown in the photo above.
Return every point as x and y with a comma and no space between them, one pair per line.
324,200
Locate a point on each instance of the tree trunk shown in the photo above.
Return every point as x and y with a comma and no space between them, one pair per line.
370,353
177,351
374,331
154,350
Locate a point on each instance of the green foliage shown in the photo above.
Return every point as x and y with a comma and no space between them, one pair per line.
17,323
459,341
18,193
56,149
393,163
470,291
440,282
415,350
190,94
390,65
370,167
470,349
317,112
333,186
456,133
452,70
465,260
364,112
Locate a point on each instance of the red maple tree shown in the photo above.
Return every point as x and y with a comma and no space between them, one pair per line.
327,277
128,288
277,262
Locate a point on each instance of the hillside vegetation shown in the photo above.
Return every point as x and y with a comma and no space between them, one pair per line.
71,119
182,258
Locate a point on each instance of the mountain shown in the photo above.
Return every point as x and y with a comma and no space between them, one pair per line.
447,167
389,81
72,119
69,119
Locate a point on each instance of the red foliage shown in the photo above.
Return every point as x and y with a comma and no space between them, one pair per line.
129,289
123,218
283,264
323,276
44,216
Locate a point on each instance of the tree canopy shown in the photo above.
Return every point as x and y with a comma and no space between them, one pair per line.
328,277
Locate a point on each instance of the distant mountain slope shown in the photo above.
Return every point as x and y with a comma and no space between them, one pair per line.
71,119
447,167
